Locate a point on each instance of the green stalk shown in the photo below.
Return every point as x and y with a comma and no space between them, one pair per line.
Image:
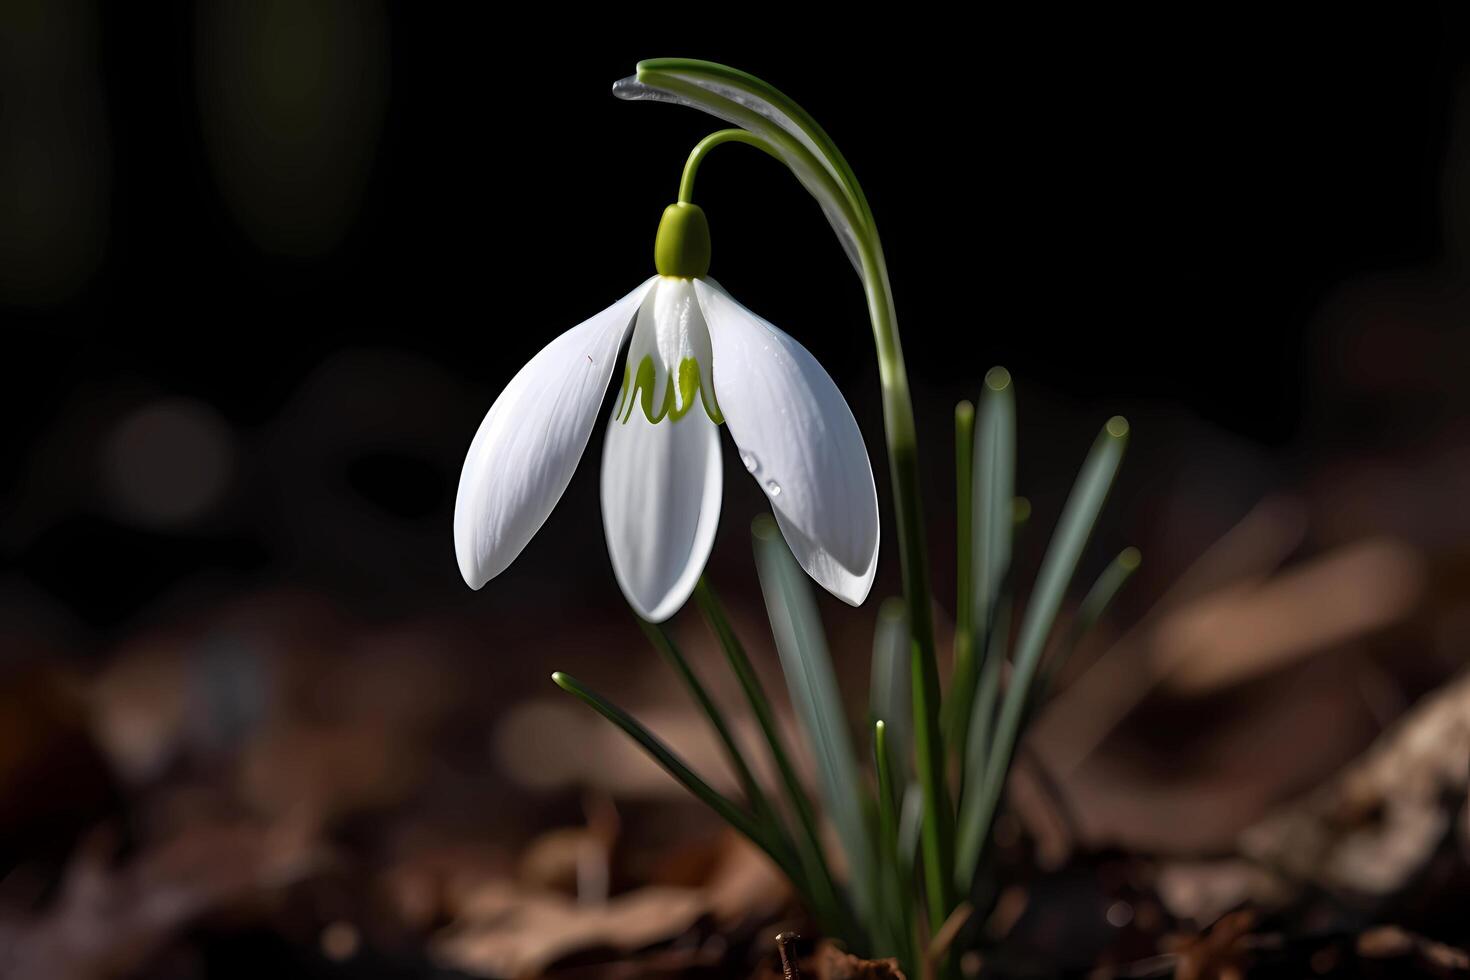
903,459
702,149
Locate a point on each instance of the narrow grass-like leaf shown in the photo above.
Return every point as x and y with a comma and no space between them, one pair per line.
992,528
943,939
1089,611
889,695
995,489
910,825
996,641
676,767
813,685
965,671
828,905
1057,567
898,890
666,647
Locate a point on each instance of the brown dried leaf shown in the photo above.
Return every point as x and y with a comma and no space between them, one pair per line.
568,860
1253,629
745,885
508,932
1220,953
1205,890
833,964
828,962
1391,942
1374,826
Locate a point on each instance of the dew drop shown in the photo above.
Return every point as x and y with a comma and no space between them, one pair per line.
751,463
773,488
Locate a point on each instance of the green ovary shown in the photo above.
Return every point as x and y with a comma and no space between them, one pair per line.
638,387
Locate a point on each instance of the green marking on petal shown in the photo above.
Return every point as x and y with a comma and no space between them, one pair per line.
638,389
642,388
688,388
664,408
711,405
623,391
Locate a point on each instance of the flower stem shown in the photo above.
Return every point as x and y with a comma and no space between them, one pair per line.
903,463
702,148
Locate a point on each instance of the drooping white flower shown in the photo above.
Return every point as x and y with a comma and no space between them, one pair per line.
696,358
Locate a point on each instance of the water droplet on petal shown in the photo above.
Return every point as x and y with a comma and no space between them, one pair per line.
751,463
773,488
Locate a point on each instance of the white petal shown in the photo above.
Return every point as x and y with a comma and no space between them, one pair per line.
798,438
661,490
526,449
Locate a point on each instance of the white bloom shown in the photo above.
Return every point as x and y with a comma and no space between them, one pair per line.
696,357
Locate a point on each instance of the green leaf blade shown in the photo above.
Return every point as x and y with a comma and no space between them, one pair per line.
802,647
1063,553
889,694
756,797
675,767
897,888
827,904
962,682
993,530
1096,602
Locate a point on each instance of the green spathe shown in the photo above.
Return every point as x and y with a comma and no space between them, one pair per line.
682,247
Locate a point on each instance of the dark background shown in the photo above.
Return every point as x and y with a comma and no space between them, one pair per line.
1129,214
264,267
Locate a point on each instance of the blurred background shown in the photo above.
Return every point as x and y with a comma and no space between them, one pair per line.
264,266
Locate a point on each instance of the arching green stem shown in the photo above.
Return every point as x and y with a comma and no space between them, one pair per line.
780,127
702,148
903,463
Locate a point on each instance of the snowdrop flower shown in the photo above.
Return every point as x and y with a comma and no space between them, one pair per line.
696,358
